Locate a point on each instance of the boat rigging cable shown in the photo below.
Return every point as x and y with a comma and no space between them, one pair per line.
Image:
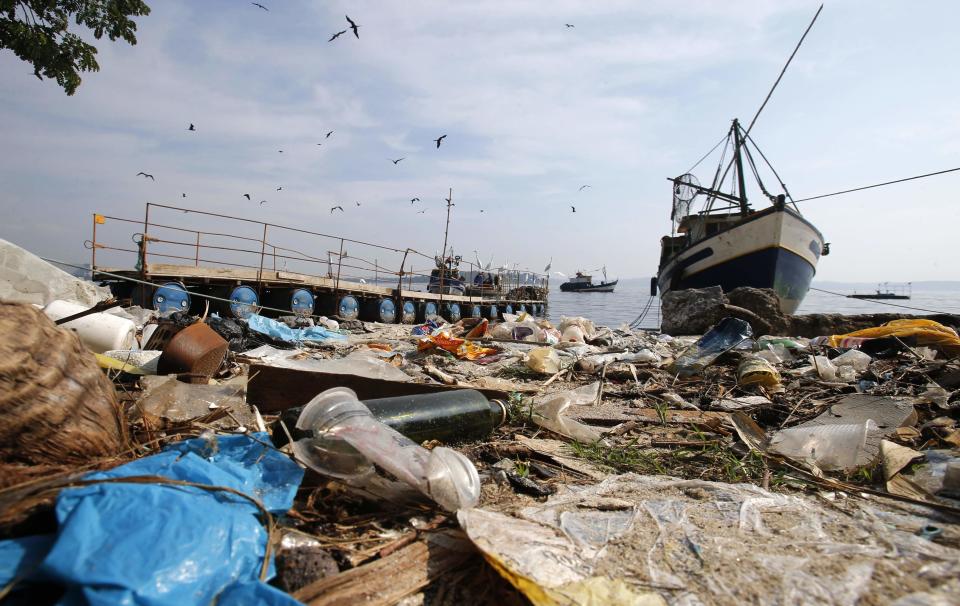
847,191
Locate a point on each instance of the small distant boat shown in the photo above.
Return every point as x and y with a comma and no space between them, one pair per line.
885,291
584,283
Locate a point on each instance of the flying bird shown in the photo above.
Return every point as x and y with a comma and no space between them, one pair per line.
261,6
279,188
191,127
337,35
397,161
450,201
328,135
481,210
573,209
582,187
280,151
146,176
353,26
247,196
420,212
357,203
412,200
568,24
184,195
262,202
547,268
333,208
442,137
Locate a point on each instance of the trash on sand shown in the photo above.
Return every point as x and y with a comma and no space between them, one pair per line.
848,434
924,332
856,359
677,536
144,359
724,336
147,541
426,328
544,360
57,405
301,560
282,332
196,352
462,349
98,331
346,441
549,413
757,371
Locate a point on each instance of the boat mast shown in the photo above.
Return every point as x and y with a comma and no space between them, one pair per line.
741,186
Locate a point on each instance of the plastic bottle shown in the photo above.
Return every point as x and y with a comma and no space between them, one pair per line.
727,334
347,441
100,332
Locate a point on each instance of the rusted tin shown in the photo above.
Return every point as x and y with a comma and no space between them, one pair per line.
194,353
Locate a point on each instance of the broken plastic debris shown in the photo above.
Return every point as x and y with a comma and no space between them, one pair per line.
724,336
544,360
549,414
757,371
829,447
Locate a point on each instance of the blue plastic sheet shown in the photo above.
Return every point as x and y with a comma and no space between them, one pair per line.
279,330
156,544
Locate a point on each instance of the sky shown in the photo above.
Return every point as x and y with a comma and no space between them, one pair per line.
634,93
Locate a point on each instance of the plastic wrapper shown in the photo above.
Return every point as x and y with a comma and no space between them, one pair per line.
757,371
925,332
853,358
462,349
829,447
727,334
549,413
346,441
544,360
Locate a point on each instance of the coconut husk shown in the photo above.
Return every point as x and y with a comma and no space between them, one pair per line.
56,405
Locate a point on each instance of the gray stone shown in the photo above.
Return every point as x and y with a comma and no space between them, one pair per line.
692,311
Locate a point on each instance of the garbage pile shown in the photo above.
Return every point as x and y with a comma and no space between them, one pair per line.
193,459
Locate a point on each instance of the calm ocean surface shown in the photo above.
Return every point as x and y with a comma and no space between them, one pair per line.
630,297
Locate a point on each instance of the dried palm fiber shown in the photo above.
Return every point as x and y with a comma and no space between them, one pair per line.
56,405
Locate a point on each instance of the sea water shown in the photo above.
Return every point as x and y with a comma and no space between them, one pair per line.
630,297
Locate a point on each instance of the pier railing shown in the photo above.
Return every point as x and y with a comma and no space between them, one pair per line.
219,240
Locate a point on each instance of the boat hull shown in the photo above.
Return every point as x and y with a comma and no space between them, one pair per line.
602,287
775,248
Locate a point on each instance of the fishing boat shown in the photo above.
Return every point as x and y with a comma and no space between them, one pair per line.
582,282
728,243
885,291
445,278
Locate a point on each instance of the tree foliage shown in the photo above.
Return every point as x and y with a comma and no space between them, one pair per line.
37,31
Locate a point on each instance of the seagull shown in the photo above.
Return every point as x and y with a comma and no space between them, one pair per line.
280,151
547,268
337,35
397,161
146,176
442,137
279,188
328,135
573,209
357,203
191,127
353,26
184,195
450,201
247,196
568,24
412,200
481,210
333,208
262,202
261,6
582,187
420,212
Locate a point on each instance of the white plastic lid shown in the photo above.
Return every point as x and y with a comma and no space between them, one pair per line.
452,480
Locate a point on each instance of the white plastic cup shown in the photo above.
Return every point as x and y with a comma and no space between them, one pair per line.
100,332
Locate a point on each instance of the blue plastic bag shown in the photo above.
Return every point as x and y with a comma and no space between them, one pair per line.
279,330
159,544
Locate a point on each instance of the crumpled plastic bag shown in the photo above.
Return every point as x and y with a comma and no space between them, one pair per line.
926,332
159,544
282,332
462,349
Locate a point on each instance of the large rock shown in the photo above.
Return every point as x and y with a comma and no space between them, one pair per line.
765,305
692,311
26,278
